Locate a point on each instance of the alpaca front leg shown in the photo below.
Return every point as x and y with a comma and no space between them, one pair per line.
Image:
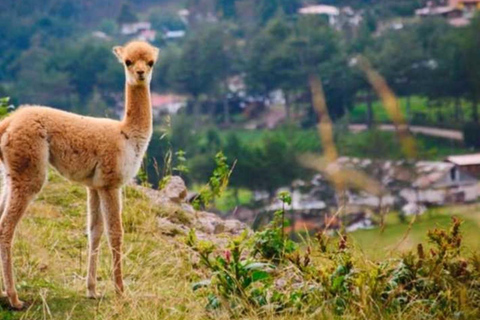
95,231
110,200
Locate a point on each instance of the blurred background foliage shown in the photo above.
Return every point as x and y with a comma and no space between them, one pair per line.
53,54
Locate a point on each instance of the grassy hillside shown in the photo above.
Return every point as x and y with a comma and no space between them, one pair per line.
51,249
50,255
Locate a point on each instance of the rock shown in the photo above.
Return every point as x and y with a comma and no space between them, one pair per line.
411,209
209,222
168,228
187,208
178,217
175,189
234,227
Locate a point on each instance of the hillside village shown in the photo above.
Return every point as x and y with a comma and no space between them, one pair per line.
407,187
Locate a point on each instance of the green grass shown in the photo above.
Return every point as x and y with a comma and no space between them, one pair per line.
420,112
50,253
227,202
302,140
397,237
307,140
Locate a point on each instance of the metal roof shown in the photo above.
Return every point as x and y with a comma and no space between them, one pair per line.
320,9
465,160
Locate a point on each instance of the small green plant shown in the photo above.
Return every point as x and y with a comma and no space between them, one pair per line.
271,243
180,168
5,106
328,277
234,277
216,184
181,160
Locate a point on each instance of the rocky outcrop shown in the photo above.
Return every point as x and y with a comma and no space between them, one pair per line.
178,217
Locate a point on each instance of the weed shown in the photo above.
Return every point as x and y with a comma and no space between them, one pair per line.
216,184
334,280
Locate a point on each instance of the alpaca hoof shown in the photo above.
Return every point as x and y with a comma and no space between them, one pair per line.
18,305
93,295
119,290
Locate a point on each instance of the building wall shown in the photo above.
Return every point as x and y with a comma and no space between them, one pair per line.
462,3
468,193
473,170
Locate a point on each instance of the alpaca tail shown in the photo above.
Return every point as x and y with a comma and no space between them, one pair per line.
3,127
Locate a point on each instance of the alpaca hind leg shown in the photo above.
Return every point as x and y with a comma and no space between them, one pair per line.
3,204
95,231
26,169
15,208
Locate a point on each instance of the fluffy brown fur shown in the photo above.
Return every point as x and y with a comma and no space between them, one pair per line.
102,154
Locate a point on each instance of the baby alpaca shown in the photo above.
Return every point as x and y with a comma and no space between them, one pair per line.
102,154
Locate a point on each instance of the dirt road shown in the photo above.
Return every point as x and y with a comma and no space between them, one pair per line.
428,131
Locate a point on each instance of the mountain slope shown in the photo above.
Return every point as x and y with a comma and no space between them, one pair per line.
50,253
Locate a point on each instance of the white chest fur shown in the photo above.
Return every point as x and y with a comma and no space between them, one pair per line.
132,156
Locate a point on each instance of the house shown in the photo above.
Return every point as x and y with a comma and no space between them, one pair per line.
443,11
470,5
100,35
174,34
167,104
300,203
147,35
423,182
440,183
331,12
184,14
469,163
134,27
352,221
457,12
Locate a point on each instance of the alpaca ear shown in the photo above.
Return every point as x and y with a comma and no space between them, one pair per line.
118,52
155,52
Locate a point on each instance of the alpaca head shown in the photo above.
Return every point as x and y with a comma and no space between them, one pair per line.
138,58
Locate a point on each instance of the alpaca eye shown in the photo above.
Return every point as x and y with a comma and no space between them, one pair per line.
128,63
150,63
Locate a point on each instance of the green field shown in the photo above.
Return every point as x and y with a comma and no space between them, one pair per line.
347,143
398,237
421,113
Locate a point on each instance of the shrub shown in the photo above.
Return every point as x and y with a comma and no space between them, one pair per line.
328,277
471,134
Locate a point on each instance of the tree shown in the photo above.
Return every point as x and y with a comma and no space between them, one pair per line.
271,65
470,50
267,166
284,55
267,9
85,63
198,67
38,83
165,20
226,8
360,45
404,64
126,15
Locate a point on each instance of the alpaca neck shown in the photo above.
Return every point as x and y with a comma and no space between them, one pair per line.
138,109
